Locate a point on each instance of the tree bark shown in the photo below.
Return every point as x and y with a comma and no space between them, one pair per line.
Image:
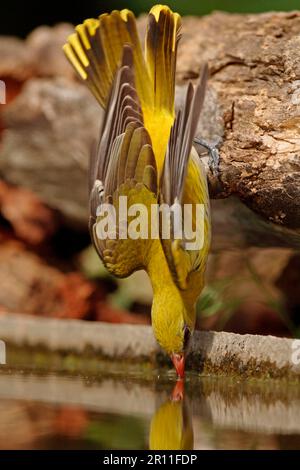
252,109
253,104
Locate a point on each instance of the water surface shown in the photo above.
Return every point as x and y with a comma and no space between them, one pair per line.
53,411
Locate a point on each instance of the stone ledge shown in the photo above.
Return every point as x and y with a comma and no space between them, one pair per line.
216,353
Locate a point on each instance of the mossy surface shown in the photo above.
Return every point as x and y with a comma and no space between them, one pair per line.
231,366
94,364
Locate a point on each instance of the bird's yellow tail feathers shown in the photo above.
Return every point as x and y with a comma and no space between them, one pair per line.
95,50
161,49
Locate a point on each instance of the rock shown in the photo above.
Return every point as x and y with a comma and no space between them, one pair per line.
32,221
50,128
33,287
212,352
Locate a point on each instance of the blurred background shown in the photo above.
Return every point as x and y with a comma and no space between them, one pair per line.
19,18
47,265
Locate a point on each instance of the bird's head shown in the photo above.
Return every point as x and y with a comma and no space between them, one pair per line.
178,356
173,330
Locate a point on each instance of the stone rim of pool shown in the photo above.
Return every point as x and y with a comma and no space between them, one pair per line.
213,353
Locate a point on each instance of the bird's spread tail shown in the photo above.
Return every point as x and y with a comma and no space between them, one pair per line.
161,42
161,49
95,51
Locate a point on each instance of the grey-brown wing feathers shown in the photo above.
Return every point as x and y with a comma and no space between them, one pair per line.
118,114
180,142
124,164
178,163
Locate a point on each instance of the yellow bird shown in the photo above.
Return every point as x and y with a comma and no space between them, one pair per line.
145,153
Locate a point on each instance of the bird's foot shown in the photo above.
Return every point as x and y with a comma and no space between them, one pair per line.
213,154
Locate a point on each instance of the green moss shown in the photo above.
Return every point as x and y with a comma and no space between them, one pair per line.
95,364
229,365
92,364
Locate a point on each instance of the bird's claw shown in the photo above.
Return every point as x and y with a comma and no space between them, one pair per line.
213,152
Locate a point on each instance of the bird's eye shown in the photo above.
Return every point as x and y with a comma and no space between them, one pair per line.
186,336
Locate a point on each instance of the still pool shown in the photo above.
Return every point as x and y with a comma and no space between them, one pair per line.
61,411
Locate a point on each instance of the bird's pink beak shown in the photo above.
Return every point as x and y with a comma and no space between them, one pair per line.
179,363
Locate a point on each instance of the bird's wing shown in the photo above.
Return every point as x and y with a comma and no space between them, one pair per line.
183,183
124,165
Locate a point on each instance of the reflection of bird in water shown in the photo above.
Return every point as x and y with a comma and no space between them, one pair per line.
171,426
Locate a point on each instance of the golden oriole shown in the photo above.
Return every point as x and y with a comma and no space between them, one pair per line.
145,153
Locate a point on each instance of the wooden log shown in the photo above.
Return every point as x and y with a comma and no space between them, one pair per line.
255,100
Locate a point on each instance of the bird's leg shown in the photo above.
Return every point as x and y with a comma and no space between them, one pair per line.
213,152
